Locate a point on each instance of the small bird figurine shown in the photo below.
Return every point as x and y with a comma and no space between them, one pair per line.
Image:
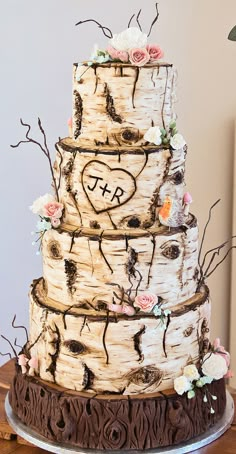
172,213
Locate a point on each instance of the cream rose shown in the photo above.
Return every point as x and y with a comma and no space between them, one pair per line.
177,141
146,302
38,204
214,366
129,38
153,135
191,372
182,385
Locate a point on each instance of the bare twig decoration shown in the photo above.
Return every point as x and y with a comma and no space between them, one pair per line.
210,268
17,345
154,20
131,20
106,31
204,234
22,327
137,20
9,342
43,147
6,354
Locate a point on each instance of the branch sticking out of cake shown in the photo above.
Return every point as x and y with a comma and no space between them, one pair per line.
209,269
44,148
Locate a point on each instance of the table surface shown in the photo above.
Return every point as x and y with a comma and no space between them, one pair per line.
224,445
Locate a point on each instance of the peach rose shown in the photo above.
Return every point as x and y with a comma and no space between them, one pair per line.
53,209
118,54
155,52
139,57
115,308
146,302
128,310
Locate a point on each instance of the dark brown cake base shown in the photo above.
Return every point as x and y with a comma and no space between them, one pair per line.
114,422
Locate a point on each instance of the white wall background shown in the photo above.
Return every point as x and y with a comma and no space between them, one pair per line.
39,43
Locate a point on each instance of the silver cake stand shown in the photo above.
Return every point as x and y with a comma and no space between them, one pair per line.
195,443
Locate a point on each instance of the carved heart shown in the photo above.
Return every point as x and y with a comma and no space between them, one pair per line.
107,188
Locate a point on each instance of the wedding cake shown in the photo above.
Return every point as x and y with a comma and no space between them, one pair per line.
119,355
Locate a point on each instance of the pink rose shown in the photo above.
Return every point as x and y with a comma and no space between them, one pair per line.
146,302
22,359
33,362
155,52
220,350
139,57
118,54
53,209
229,374
128,310
55,222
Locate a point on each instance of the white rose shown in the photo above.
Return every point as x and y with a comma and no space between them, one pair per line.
153,135
177,141
38,204
191,372
128,39
182,385
214,366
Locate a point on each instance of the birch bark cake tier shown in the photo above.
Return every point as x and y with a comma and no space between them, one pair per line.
115,103
117,186
81,351
90,267
119,355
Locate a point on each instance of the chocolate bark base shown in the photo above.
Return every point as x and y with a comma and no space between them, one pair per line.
114,422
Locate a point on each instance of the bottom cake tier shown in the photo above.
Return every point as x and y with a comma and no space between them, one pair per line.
114,422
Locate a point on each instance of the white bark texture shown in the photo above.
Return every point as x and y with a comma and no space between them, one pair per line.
116,353
89,267
110,187
117,103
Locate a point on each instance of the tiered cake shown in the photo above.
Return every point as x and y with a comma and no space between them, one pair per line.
119,318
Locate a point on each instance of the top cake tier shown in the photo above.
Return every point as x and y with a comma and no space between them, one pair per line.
116,103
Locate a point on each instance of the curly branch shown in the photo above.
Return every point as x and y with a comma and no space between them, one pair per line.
154,20
9,342
131,20
20,326
6,354
203,238
137,20
106,31
17,345
216,251
44,148
221,261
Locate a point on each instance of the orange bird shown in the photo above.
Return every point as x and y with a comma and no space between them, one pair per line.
171,213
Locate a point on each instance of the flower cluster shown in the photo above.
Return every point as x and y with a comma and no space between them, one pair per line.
121,309
214,366
50,213
162,136
128,46
162,314
28,365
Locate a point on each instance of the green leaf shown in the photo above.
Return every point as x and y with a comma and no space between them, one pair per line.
191,394
232,34
163,132
172,124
